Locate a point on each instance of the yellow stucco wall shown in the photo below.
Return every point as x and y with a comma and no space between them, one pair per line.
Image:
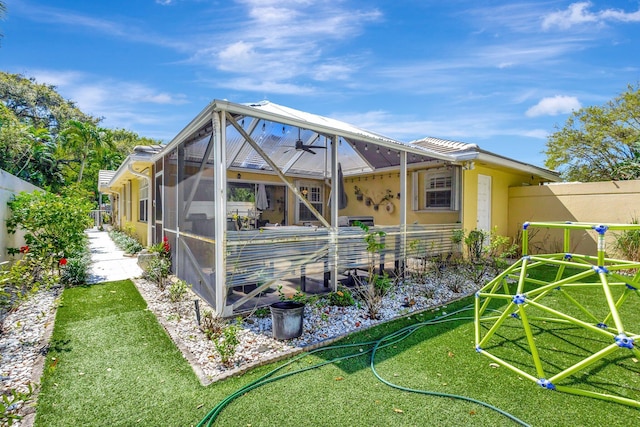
502,180
610,202
375,187
132,199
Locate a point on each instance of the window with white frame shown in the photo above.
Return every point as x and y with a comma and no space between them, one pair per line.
313,192
437,190
144,201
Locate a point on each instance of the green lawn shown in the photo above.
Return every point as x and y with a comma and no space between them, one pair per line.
111,363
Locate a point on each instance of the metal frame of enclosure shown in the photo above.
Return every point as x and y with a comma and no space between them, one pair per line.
189,194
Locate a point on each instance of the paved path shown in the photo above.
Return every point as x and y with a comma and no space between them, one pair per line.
108,263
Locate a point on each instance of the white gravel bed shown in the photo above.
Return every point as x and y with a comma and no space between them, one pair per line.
321,323
23,341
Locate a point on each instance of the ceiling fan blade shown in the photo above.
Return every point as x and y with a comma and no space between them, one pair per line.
309,150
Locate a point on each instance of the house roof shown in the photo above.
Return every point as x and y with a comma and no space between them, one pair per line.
133,165
276,129
465,152
104,176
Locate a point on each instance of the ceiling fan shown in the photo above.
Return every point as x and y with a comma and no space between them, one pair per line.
301,146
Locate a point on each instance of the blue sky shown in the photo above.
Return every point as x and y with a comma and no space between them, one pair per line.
501,74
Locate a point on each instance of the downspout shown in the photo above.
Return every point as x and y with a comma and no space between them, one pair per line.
149,205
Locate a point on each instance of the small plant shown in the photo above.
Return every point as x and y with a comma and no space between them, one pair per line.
341,298
11,402
211,325
627,243
297,297
474,242
372,289
75,271
158,271
429,291
262,312
455,284
125,241
227,342
178,290
163,249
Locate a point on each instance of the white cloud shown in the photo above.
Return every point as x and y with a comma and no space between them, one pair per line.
120,102
285,42
553,106
578,14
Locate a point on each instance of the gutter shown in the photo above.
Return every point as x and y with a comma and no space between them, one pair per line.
509,163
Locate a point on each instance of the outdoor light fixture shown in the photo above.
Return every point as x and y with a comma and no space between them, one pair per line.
377,150
388,151
366,147
239,176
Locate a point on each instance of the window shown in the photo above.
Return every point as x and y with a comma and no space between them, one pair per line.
437,190
144,201
313,193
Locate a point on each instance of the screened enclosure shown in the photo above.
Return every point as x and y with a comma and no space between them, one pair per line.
250,196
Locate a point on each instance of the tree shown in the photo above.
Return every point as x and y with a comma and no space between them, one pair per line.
28,152
38,105
599,143
85,139
46,140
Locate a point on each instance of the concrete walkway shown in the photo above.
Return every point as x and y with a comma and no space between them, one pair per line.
108,263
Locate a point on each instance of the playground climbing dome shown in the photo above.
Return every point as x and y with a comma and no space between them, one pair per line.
522,323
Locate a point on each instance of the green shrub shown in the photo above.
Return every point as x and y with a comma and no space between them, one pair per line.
341,298
125,242
226,343
157,271
475,242
178,290
23,278
10,403
75,272
53,224
627,243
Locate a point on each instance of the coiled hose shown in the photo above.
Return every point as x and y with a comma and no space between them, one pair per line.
383,342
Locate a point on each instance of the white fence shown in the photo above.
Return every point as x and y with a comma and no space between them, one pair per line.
10,185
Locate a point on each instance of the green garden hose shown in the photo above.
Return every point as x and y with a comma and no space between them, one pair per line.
385,341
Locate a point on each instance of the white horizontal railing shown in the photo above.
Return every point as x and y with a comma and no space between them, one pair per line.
257,256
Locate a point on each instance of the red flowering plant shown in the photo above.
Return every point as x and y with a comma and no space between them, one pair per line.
162,248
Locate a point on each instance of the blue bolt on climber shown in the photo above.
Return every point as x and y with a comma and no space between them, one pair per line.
601,229
519,299
545,383
624,341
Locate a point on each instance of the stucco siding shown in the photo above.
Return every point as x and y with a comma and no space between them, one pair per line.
610,202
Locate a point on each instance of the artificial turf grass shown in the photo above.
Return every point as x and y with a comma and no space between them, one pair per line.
115,365
153,385
500,387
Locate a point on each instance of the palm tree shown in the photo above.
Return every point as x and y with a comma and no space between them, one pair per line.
83,139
